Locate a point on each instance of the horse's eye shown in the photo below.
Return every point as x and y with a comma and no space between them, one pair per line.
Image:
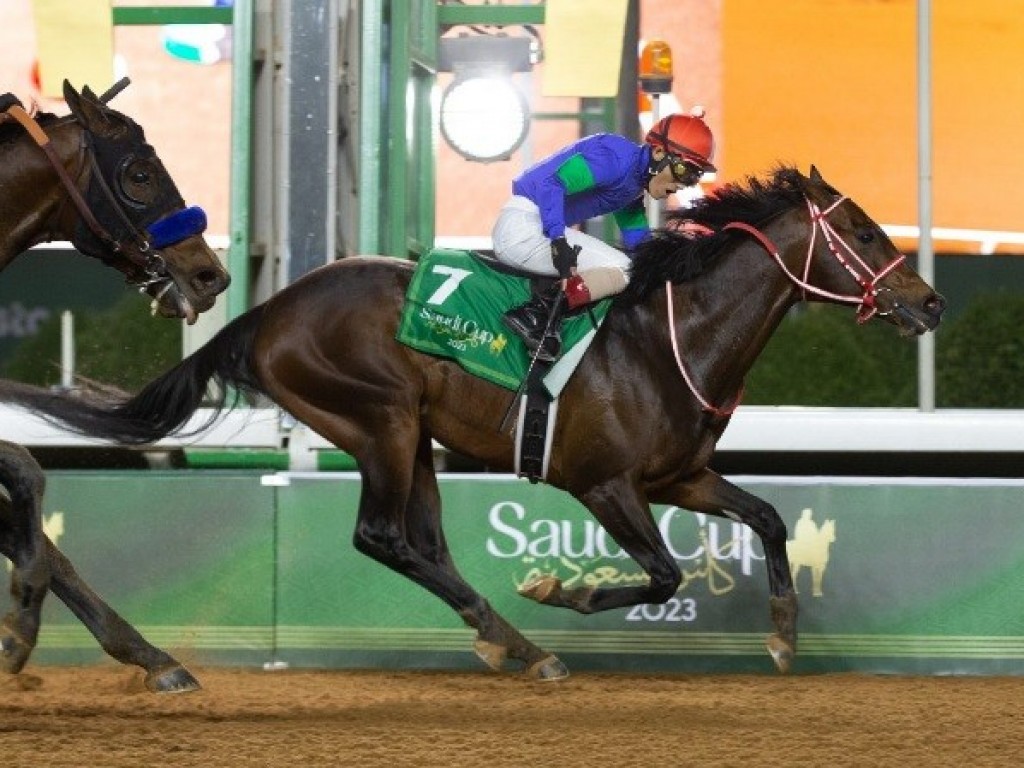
866,235
137,182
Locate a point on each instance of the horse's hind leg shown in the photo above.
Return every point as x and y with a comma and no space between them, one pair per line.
496,640
403,531
23,478
116,636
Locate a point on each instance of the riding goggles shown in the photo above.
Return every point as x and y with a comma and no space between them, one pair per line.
683,171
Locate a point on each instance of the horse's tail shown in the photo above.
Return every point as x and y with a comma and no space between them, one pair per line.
163,406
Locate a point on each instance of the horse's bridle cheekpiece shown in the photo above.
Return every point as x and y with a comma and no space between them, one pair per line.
108,214
866,278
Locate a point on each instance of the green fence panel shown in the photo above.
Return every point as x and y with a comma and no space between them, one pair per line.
235,567
186,557
914,578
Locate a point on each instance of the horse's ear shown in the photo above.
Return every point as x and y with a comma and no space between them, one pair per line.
817,181
88,110
71,96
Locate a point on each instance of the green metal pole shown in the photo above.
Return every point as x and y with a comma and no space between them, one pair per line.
240,17
241,158
369,171
499,15
425,77
172,14
399,63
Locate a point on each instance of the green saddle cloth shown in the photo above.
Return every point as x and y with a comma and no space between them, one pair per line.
453,309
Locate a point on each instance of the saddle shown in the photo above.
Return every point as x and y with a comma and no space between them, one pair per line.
453,309
539,284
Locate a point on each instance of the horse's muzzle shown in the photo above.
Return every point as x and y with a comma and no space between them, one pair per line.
911,320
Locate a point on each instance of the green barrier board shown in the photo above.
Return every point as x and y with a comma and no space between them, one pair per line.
186,557
892,578
232,567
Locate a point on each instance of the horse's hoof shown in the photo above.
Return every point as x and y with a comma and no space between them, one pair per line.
491,654
548,669
541,589
14,652
174,679
781,651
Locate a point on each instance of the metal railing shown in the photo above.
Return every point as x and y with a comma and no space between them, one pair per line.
240,17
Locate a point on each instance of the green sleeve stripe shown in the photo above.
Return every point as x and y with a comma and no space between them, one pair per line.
575,175
632,217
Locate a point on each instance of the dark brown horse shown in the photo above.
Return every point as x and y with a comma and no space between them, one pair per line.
92,179
638,421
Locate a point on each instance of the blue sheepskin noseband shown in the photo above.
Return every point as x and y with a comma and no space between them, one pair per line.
176,227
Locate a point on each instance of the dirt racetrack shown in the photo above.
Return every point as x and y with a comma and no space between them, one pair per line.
101,717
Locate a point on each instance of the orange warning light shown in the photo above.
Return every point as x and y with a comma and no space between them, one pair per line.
656,67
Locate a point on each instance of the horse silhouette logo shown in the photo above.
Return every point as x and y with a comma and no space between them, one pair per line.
810,547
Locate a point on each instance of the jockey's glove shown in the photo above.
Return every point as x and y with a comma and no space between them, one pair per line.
563,256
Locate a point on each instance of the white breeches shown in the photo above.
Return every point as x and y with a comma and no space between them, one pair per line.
519,240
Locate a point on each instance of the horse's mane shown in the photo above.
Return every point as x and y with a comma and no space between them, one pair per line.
11,129
670,254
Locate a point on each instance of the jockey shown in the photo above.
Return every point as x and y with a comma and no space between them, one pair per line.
600,174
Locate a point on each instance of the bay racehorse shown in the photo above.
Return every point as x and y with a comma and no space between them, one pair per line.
90,178
637,423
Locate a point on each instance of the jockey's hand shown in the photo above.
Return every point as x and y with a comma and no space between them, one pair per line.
563,256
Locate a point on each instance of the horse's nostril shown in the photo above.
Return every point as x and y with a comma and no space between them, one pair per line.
935,304
210,281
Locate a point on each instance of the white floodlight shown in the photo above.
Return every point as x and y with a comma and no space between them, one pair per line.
484,116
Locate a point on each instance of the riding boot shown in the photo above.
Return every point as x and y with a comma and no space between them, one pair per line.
535,323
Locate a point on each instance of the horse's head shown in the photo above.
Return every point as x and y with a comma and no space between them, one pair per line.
828,531
824,243
136,220
849,259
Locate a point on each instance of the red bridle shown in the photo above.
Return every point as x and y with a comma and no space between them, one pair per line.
865,277
859,270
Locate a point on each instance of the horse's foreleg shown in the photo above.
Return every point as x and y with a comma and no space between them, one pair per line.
116,636
405,534
708,492
23,478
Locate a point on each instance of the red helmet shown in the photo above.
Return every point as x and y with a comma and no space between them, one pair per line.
687,136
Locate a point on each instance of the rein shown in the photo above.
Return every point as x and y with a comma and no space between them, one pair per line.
865,277
705,405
